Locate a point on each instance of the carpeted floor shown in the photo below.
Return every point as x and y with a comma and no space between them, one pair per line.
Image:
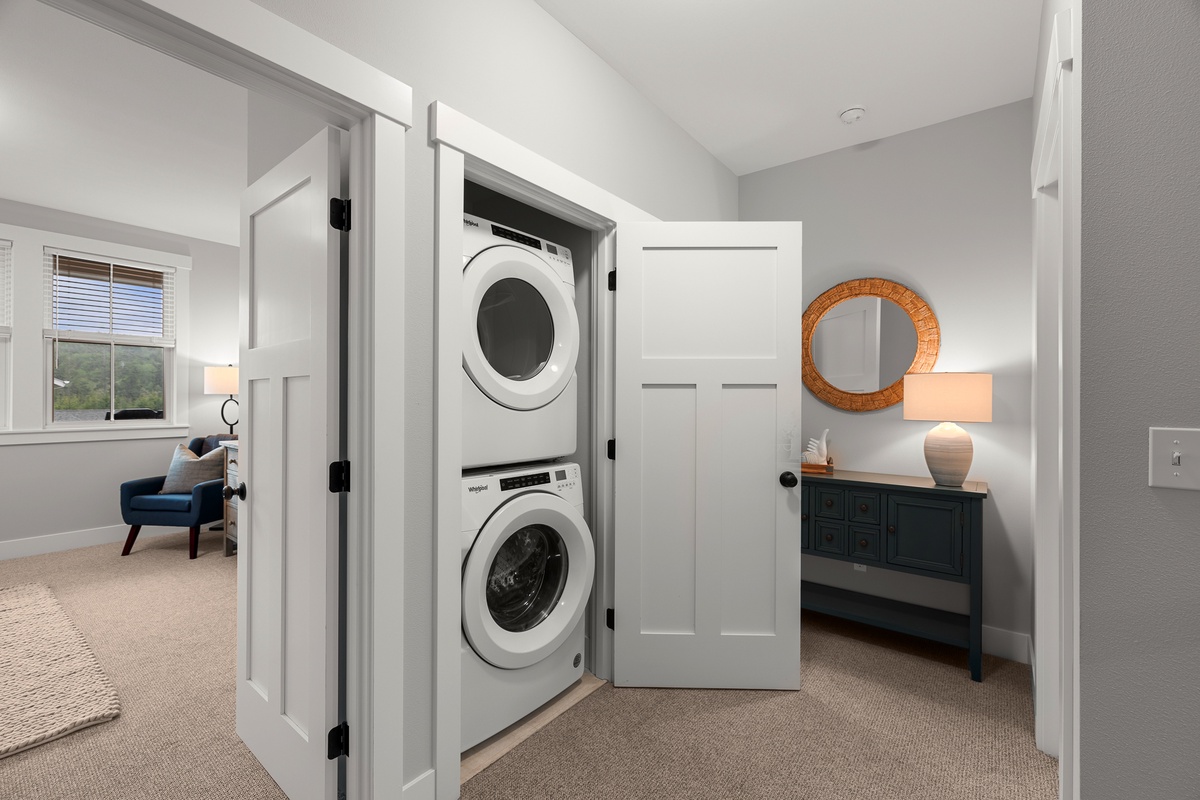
880,717
164,630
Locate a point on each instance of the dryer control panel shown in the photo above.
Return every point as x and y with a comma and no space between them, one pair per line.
479,234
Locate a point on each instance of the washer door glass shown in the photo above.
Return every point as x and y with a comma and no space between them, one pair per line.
515,329
527,578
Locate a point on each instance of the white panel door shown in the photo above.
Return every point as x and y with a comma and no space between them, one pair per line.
707,559
288,542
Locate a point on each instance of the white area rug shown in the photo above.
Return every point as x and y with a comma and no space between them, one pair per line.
50,682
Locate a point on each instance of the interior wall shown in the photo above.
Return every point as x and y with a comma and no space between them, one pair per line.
1139,660
37,476
541,87
946,211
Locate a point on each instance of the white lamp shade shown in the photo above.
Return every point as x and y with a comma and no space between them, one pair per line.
221,380
948,396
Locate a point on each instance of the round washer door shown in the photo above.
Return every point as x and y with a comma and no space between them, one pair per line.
521,332
526,580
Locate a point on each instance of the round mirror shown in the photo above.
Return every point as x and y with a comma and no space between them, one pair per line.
861,337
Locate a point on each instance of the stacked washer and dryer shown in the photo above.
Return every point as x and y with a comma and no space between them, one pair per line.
527,555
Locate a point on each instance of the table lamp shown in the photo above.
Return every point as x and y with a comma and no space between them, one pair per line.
223,380
948,397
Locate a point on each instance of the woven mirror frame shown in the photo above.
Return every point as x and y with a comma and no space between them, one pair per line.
929,339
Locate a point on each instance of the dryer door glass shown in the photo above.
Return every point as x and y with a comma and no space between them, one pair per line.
526,578
515,329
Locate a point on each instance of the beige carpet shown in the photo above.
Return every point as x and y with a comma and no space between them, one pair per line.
164,629
50,682
880,717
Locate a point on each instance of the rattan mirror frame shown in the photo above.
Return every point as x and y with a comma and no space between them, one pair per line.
929,338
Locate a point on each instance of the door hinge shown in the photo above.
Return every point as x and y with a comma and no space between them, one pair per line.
609,619
339,214
612,280
612,449
339,741
339,476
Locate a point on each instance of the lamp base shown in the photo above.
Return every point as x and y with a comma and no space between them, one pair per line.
226,419
948,454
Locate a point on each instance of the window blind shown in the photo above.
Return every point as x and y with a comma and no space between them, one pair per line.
88,295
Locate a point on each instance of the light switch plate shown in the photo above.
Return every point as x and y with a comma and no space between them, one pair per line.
1170,445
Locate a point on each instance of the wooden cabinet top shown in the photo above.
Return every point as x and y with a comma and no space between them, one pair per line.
909,482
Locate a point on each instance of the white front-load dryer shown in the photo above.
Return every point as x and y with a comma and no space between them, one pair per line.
520,345
527,569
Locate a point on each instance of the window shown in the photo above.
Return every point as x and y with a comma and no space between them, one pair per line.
5,327
110,332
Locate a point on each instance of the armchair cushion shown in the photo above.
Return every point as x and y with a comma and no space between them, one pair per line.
181,503
188,469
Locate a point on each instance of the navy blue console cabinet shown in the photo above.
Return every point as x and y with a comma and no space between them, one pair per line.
902,523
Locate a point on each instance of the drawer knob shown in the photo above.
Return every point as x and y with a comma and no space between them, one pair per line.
862,543
829,502
804,517
829,537
891,528
863,507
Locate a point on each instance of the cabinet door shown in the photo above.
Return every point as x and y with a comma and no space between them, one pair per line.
925,534
829,537
829,503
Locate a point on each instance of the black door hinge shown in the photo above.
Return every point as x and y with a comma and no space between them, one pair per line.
339,476
612,449
339,214
339,741
609,619
612,280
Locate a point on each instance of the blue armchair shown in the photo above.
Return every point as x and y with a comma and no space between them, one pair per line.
141,504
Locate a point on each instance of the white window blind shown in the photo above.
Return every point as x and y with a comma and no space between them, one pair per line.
5,286
86,295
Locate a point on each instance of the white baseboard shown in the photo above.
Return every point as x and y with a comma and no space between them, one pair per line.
57,542
422,787
1007,644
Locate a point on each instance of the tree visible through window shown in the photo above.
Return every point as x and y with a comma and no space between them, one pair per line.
111,333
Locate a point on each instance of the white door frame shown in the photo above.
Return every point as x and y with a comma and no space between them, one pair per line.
248,45
1057,167
466,149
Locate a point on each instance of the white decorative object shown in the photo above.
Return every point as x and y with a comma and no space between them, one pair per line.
959,396
817,452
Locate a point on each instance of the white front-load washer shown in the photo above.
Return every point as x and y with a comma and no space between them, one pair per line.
520,345
527,569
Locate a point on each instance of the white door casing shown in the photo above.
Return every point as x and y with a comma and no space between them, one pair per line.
846,345
707,382
288,548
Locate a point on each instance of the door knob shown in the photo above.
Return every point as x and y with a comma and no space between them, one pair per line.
240,491
788,480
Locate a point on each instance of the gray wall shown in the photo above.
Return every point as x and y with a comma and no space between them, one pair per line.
89,474
944,210
541,87
1140,364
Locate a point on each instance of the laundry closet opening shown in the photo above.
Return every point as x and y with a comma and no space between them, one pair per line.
528,441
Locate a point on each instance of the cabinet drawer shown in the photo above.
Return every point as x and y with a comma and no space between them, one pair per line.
829,537
864,544
864,507
926,534
829,503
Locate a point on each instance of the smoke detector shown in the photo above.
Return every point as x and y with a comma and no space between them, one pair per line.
852,115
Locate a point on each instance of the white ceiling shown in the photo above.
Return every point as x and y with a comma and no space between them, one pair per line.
76,135
760,83
756,82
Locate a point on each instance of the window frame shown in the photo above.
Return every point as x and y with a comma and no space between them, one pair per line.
51,335
27,383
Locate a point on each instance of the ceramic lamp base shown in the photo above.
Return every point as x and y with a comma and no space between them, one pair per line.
948,454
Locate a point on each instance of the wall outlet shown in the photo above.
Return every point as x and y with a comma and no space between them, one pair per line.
1175,458
860,567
